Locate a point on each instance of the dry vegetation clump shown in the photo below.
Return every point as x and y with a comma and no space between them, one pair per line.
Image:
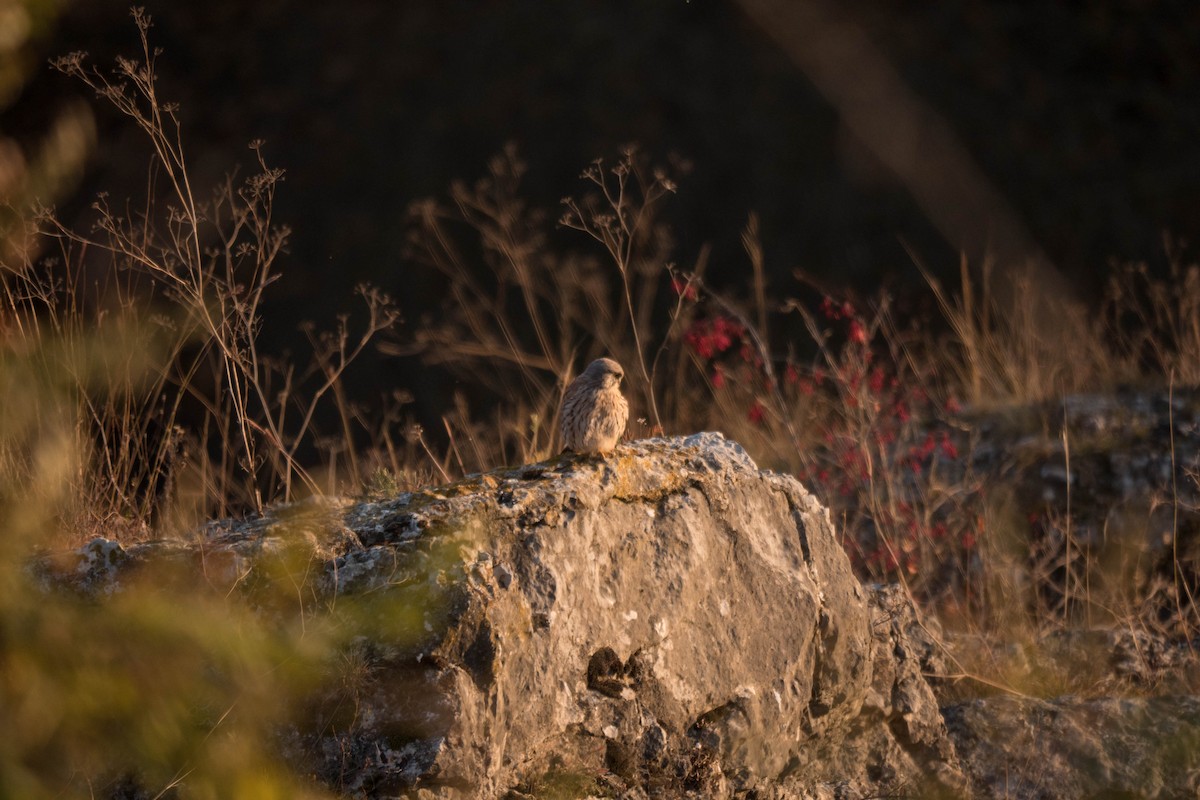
179,684
885,419
520,316
184,283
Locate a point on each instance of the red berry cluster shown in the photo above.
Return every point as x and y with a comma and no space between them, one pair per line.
711,337
880,458
723,342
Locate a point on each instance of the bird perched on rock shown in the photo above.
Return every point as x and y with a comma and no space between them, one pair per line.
594,412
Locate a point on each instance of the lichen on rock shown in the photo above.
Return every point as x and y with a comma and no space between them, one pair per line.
668,620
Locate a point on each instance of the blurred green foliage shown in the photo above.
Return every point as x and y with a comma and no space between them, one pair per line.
166,682
23,23
177,681
40,166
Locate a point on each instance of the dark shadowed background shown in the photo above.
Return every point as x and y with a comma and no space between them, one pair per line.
956,126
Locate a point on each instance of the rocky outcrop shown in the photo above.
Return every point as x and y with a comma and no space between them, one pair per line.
1130,729
1112,455
1073,748
669,621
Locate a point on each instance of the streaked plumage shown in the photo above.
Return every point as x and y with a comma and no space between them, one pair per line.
594,412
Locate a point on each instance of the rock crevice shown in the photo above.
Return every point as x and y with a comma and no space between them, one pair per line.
670,620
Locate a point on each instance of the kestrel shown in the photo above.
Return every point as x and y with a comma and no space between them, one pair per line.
594,412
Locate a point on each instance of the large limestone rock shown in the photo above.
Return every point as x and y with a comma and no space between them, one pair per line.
669,621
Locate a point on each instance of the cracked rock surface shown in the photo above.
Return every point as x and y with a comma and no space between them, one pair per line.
670,619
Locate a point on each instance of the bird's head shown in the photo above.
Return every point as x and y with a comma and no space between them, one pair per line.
606,372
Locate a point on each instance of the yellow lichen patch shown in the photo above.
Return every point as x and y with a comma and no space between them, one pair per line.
637,479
